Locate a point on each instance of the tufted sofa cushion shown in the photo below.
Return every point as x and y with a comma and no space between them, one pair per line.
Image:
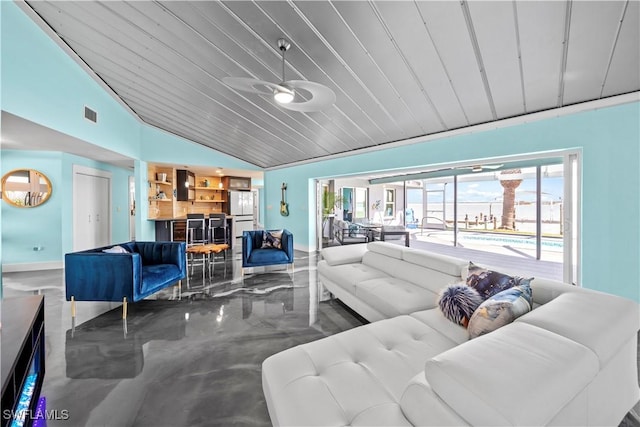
392,296
354,378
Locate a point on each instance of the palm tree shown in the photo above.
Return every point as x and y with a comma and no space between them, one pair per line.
509,198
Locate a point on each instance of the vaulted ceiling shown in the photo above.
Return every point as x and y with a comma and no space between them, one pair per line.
400,69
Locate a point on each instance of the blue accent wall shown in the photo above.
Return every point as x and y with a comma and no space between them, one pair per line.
40,82
609,139
50,225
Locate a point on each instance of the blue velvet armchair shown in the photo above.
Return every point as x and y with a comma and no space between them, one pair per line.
255,255
145,268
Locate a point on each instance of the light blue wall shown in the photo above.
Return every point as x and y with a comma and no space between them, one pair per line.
51,224
610,142
24,228
41,83
159,146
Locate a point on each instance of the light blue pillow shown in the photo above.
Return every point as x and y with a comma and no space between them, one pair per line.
500,309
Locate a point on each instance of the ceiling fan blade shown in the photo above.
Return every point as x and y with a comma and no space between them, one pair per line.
310,97
492,166
251,85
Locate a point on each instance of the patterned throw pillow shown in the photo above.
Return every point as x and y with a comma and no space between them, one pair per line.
499,310
489,283
458,302
272,239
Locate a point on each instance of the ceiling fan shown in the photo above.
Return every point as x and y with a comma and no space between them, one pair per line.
296,95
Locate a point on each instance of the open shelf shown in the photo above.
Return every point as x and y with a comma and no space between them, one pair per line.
162,182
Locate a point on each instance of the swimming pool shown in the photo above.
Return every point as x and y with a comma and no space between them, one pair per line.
513,240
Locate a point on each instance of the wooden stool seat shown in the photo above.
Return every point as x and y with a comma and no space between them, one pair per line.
206,251
210,248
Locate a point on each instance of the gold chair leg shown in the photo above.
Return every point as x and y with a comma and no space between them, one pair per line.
124,308
73,307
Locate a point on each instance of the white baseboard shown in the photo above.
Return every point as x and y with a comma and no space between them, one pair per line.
303,248
32,266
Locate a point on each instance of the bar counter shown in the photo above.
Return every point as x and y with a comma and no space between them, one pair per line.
174,229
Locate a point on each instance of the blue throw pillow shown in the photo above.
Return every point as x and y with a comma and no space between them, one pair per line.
501,309
489,283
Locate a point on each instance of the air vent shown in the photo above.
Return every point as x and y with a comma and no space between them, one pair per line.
91,115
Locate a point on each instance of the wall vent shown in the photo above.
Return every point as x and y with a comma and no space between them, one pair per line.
90,115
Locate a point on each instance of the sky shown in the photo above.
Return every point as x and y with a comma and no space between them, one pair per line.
491,191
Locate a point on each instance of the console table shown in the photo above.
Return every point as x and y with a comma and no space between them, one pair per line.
22,336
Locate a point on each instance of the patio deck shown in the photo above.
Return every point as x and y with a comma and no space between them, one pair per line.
524,266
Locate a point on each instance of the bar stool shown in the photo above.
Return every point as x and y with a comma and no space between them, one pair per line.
195,236
218,223
196,230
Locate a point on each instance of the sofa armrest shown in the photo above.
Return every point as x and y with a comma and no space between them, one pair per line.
423,407
98,276
337,255
247,246
287,243
517,375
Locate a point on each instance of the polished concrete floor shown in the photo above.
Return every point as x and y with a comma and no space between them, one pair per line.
183,358
189,359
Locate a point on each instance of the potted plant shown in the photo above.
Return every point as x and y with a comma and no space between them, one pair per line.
330,201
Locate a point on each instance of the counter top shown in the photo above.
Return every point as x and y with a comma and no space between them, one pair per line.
179,218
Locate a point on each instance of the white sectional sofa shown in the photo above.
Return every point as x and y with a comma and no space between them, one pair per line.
569,361
381,280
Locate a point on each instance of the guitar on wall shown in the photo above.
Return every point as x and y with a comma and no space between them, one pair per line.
284,206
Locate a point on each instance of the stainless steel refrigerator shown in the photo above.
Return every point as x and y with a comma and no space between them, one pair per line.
241,207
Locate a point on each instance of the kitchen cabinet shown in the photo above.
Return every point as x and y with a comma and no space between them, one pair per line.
236,183
185,185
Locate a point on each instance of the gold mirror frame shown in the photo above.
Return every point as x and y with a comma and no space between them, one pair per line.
25,188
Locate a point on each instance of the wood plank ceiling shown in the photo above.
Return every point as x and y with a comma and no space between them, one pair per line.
400,69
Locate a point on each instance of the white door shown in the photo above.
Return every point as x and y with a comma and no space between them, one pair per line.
91,208
132,208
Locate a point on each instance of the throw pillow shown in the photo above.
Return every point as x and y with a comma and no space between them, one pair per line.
272,239
489,283
116,250
353,230
499,310
458,302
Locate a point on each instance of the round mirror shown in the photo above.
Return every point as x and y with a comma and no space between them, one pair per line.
25,188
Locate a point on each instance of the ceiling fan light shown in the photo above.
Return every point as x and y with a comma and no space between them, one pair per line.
283,95
477,168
